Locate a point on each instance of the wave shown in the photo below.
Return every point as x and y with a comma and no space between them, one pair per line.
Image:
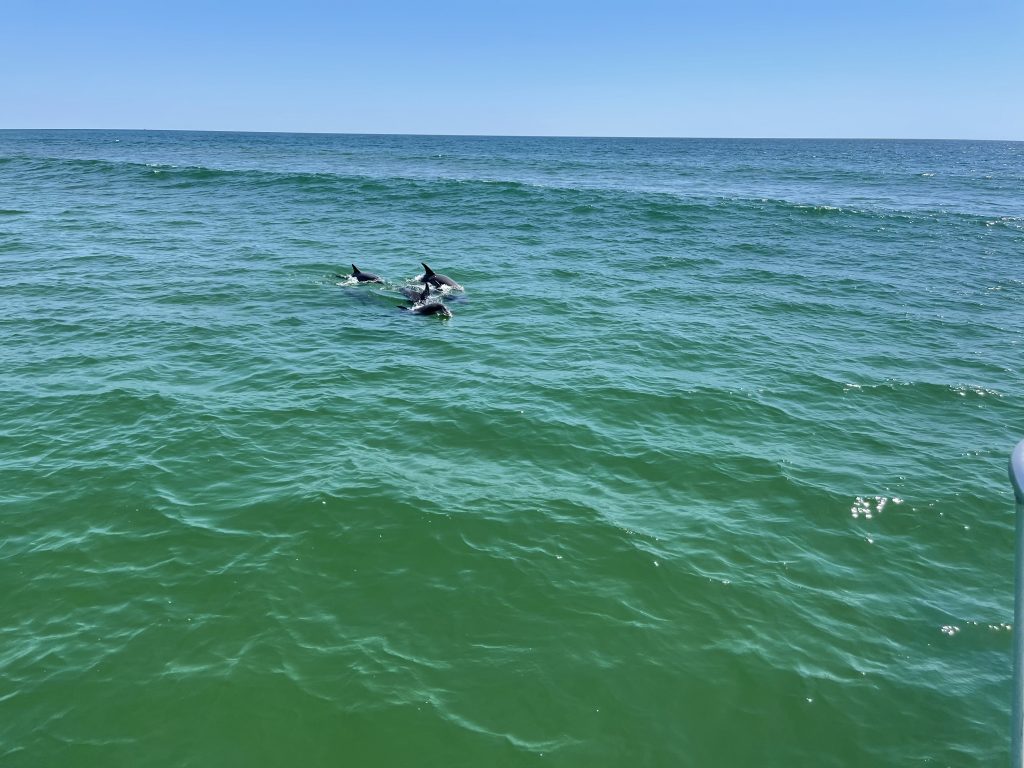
924,393
566,198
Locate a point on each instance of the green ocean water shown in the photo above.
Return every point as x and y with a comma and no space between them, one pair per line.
708,468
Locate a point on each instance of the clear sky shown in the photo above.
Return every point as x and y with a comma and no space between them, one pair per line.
737,68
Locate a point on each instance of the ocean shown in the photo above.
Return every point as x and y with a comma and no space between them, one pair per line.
708,467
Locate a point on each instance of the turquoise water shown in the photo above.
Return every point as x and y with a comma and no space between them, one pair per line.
708,468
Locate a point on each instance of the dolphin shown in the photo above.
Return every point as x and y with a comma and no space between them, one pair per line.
417,297
434,308
433,278
362,277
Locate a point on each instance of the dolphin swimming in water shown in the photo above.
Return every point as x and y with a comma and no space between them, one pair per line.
433,308
362,277
433,278
416,297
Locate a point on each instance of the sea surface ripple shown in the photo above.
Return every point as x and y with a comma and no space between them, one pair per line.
708,468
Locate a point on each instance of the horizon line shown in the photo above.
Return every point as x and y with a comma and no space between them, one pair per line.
517,135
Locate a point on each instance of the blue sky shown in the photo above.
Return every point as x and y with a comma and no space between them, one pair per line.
910,69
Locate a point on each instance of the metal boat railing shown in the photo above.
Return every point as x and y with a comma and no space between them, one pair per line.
1017,734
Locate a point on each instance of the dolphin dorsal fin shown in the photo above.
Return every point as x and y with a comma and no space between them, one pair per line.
355,270
428,269
425,292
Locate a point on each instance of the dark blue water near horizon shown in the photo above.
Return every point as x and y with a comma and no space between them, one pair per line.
708,467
